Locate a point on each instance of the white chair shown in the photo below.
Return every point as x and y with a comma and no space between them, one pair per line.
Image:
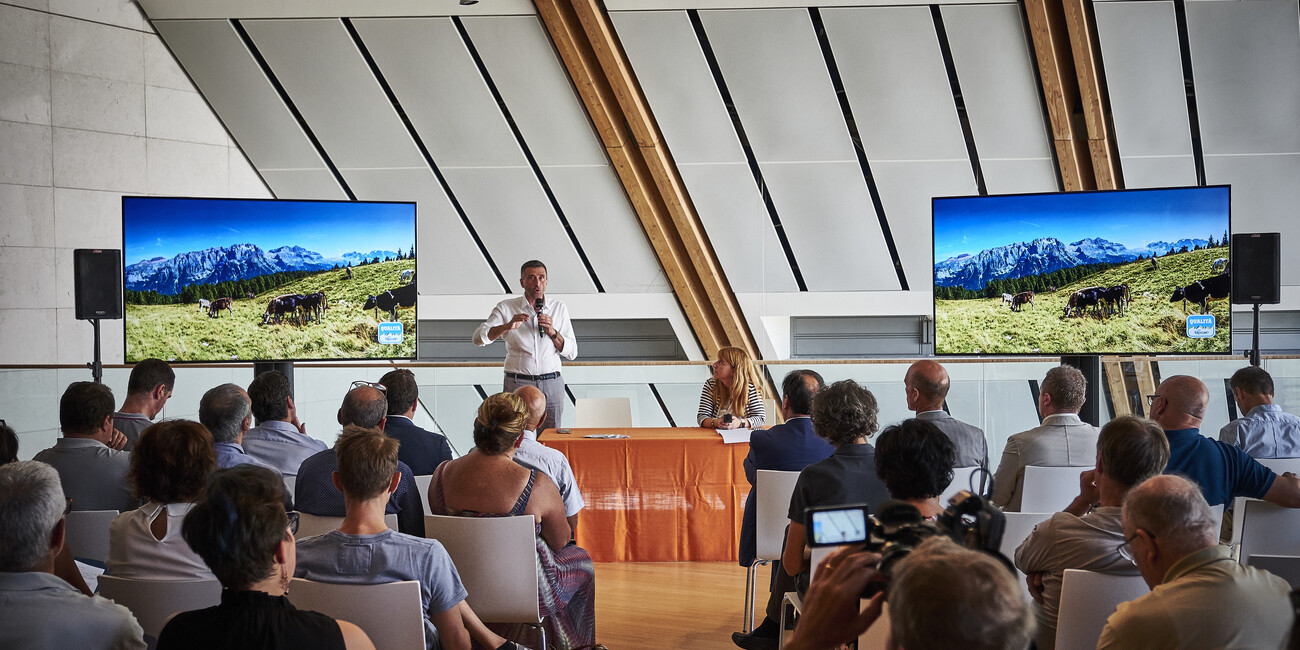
603,413
154,601
1019,525
422,484
1281,465
313,525
1286,567
497,561
391,614
1089,598
1049,489
792,598
960,481
289,483
1268,529
771,514
87,534
877,636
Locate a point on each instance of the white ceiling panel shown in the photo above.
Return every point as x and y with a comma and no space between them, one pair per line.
534,85
232,82
521,225
1264,198
832,225
449,103
896,82
677,82
778,81
1159,171
615,244
738,227
1244,58
999,87
303,184
906,189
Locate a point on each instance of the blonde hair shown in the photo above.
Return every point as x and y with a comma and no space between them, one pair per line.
501,420
745,374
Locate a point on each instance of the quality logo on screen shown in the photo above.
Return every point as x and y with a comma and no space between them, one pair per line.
391,333
1200,326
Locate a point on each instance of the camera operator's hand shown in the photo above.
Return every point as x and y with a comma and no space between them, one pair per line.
830,607
1035,581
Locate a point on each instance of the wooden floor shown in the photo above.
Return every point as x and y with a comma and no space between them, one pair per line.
681,605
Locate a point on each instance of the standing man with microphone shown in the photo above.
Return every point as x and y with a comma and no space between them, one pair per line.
537,333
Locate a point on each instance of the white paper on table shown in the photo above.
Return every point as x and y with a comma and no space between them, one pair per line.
733,436
90,574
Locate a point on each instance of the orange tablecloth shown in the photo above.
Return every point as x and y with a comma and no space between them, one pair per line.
661,495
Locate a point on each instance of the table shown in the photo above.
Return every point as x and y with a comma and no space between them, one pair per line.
660,495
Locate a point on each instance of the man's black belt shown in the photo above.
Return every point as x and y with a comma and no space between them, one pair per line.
549,375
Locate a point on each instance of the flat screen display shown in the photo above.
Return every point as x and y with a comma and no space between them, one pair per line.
268,280
1109,272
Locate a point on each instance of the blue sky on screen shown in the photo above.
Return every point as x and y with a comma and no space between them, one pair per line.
1132,218
166,227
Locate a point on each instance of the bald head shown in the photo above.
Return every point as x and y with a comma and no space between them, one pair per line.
365,407
1172,510
536,401
927,386
1182,403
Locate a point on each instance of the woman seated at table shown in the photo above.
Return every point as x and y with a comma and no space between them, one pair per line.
240,529
914,459
732,390
487,482
169,466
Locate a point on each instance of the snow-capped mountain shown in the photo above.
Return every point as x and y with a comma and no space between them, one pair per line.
1161,248
237,262
1042,255
356,257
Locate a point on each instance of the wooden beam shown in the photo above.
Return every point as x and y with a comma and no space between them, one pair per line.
1050,35
1113,368
1092,93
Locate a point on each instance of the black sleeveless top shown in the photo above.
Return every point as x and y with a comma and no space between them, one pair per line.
251,619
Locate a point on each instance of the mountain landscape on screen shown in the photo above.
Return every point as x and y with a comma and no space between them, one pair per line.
1044,255
233,263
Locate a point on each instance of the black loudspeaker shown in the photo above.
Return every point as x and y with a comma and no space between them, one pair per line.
1257,268
97,286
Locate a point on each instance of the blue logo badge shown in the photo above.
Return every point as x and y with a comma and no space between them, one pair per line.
391,333
1200,326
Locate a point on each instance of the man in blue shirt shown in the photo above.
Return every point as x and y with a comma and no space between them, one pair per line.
279,439
1265,431
1221,470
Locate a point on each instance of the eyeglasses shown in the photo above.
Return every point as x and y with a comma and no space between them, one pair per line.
293,521
1151,399
1125,549
377,386
67,508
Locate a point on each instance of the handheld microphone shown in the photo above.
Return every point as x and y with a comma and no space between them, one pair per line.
537,304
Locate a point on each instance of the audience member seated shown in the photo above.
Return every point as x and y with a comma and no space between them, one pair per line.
843,414
279,438
941,596
314,493
1222,471
1088,533
147,391
736,390
787,447
240,529
1265,430
487,482
1062,440
169,467
39,611
91,465
535,455
226,412
926,384
364,551
421,450
8,444
1200,597
914,459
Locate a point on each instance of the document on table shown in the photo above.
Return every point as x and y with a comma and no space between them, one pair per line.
733,436
606,436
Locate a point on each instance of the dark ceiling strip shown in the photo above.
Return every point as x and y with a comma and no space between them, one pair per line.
712,59
424,151
1033,391
1232,399
528,154
1042,97
1189,83
838,82
293,110
663,405
946,49
481,393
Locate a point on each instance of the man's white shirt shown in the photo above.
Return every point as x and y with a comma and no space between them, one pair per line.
535,455
527,351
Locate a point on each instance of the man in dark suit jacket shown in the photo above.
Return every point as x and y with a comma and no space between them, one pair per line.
422,450
788,447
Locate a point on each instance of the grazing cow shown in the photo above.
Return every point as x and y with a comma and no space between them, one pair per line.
205,305
313,304
1006,299
1202,292
1019,300
1221,262
1154,266
405,276
250,295
349,269
390,300
1116,298
279,306
214,310
1081,300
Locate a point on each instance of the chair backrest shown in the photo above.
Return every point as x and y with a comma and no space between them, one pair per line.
87,533
1019,525
1049,489
497,561
819,553
153,601
422,484
876,637
603,412
960,481
1268,529
1286,567
1089,598
390,614
1281,465
289,483
313,525
772,511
